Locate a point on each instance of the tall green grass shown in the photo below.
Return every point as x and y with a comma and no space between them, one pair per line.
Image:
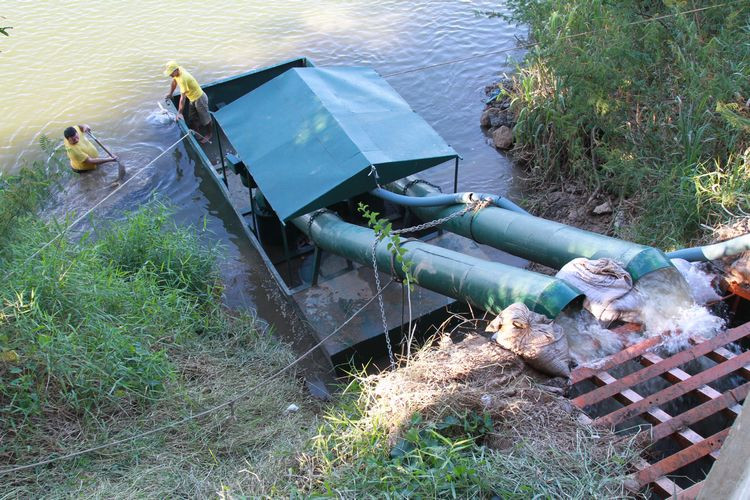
122,330
86,325
653,112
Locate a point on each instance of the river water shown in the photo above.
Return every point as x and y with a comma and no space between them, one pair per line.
100,62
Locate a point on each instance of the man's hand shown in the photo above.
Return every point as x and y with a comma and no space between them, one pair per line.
178,117
85,129
114,158
168,96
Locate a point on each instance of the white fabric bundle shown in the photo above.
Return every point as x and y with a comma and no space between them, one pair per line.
608,289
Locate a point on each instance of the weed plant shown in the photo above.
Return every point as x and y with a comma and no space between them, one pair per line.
653,113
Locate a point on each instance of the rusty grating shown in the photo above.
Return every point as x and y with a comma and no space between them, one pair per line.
646,389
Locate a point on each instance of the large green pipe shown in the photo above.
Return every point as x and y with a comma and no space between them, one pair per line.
490,286
539,240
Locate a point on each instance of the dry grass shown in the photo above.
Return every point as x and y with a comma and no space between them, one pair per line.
536,446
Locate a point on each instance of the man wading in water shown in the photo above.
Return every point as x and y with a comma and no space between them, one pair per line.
82,154
190,89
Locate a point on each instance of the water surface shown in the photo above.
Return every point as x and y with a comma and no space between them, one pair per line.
100,62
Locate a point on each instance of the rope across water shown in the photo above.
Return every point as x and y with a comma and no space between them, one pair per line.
97,205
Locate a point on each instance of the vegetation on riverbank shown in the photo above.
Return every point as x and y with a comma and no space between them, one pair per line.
649,110
121,332
463,420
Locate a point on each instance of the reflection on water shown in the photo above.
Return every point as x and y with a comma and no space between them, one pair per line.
102,66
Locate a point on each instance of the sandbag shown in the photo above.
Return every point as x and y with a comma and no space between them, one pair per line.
534,337
738,271
608,289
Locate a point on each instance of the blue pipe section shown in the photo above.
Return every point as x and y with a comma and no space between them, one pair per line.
441,200
726,248
501,202
436,200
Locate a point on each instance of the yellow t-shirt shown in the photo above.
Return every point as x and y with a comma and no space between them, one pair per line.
78,153
189,85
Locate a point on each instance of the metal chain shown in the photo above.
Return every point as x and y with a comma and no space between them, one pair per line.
380,303
413,182
312,218
475,206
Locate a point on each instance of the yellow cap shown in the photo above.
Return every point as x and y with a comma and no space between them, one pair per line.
170,67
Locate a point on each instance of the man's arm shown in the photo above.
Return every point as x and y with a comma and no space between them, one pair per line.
181,106
99,161
84,128
172,86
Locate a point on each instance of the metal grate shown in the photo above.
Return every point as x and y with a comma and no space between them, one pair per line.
654,472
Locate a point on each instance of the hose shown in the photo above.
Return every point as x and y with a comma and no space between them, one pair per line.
726,248
440,200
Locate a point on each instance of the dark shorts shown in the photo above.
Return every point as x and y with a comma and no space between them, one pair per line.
199,109
82,171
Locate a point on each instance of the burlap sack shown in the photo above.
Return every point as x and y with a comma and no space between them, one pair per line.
534,337
738,270
607,286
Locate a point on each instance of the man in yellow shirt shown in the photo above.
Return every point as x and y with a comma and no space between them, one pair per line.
190,90
82,154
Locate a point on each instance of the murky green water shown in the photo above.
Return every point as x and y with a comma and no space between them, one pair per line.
100,62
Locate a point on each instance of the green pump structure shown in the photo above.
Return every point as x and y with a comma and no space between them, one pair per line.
311,139
312,136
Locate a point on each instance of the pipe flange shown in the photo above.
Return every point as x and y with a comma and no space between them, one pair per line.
420,181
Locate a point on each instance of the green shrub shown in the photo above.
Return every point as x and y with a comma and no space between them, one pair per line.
652,111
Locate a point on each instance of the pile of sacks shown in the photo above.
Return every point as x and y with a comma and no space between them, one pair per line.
540,342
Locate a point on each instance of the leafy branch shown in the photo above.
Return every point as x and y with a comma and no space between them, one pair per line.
384,230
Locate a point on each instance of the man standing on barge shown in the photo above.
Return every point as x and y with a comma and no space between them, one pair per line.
193,93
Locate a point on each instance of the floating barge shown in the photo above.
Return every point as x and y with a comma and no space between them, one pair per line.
297,148
296,144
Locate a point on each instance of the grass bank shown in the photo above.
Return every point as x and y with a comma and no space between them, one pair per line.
650,110
118,333
463,420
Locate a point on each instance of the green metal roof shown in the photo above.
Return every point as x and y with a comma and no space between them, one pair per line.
310,136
